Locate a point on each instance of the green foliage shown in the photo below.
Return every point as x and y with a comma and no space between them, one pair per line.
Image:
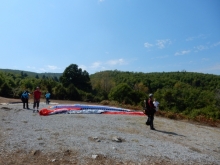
72,93
187,93
74,75
208,111
177,92
122,93
60,92
6,91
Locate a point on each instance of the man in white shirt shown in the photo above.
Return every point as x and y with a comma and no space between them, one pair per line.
156,104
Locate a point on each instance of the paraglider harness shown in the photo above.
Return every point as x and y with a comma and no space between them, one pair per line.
24,96
146,107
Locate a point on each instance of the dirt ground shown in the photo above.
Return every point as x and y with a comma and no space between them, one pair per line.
67,157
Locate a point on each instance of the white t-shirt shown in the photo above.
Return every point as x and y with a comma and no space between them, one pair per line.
156,104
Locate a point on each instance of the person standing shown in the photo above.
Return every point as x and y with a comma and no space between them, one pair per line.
156,104
151,111
37,95
47,95
24,99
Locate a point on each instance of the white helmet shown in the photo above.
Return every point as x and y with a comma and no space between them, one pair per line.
150,95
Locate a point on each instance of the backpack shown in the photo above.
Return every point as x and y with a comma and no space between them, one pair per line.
24,95
146,107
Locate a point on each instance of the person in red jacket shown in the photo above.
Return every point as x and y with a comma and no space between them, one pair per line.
37,95
151,111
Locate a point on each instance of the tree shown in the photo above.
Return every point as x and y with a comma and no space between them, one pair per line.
59,92
6,90
74,75
72,93
121,93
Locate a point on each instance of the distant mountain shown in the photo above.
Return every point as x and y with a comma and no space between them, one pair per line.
31,74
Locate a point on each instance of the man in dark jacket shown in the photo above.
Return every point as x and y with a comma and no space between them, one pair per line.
152,110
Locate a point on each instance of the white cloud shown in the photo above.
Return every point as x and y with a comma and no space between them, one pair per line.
200,48
83,67
42,70
214,68
147,45
51,67
205,59
47,68
116,62
96,65
184,52
104,65
31,67
196,37
162,43
216,44
190,38
160,57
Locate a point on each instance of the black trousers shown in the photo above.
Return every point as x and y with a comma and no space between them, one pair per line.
25,101
47,100
151,120
36,103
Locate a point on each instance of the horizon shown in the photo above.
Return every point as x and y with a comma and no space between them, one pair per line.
98,35
112,70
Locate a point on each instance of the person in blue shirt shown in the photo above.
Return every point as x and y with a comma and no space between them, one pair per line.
24,99
47,95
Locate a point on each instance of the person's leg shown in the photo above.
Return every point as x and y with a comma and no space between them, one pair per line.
152,122
27,104
148,120
23,101
34,105
38,102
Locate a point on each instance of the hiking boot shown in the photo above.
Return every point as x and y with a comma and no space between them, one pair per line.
152,128
147,123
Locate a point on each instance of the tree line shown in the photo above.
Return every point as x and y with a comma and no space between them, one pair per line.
188,93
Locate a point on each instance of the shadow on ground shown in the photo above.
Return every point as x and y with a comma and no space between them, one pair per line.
169,133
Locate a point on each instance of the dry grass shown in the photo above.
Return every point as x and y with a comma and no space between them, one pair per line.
64,157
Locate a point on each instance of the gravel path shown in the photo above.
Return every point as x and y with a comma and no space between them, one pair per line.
121,138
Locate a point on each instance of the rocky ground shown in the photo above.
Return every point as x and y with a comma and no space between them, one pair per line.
27,138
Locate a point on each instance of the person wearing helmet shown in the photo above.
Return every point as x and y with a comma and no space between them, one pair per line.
151,111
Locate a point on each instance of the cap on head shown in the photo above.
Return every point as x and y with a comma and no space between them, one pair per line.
150,95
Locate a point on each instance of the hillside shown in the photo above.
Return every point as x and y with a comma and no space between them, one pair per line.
183,94
31,74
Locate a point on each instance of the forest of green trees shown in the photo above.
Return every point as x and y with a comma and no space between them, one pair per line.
186,93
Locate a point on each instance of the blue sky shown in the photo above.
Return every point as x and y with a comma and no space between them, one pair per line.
97,35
